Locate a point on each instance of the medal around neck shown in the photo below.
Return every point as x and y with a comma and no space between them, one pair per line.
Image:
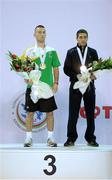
83,69
42,54
82,58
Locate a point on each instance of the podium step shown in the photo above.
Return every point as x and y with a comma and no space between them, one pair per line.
40,161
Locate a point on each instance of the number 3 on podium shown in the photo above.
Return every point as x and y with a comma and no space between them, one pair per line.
53,160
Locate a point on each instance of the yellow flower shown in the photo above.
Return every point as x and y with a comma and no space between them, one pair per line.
33,58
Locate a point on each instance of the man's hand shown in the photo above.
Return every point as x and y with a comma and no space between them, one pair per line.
28,81
55,87
92,76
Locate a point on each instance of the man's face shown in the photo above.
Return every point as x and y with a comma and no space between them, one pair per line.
40,34
82,39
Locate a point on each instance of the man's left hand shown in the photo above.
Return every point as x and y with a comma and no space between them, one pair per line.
92,76
55,87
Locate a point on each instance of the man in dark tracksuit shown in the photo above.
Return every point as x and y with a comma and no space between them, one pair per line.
76,56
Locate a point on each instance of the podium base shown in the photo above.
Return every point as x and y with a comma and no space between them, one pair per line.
40,161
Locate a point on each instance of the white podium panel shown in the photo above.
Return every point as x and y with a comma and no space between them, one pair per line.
40,161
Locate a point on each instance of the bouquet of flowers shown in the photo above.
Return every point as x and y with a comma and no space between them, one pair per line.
96,68
22,67
29,70
102,64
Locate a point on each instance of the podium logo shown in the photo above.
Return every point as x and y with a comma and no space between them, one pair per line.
19,115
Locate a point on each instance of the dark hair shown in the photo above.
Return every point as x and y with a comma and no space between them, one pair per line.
39,26
81,31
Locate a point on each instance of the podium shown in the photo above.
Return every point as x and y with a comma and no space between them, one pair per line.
42,162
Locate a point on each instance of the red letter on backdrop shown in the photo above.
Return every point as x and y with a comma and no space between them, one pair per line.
107,111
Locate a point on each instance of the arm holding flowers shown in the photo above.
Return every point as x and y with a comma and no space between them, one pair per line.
29,70
92,72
